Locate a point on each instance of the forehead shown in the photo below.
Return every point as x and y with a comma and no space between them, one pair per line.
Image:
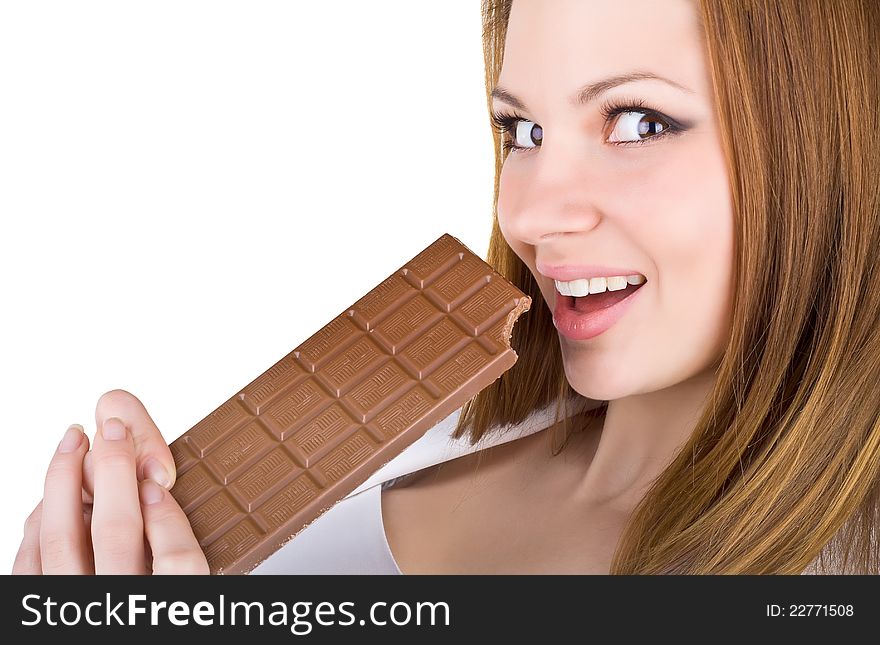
555,46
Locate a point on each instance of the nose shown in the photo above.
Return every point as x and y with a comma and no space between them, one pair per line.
550,195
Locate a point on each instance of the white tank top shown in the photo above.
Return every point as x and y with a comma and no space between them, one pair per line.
350,537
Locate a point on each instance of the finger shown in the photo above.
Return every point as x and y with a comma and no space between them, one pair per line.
87,523
154,459
62,533
117,525
169,533
27,560
88,478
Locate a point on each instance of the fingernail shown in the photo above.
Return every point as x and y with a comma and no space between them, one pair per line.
113,429
72,439
156,471
151,493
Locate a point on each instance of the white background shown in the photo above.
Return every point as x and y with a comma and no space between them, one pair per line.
189,190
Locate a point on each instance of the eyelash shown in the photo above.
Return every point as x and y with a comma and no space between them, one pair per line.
505,122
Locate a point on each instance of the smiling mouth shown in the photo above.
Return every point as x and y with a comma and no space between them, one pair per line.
596,301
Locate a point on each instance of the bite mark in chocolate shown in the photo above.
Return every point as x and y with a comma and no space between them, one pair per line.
313,427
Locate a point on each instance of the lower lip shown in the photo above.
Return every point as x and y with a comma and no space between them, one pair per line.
583,326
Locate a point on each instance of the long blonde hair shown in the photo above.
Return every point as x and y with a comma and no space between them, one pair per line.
783,465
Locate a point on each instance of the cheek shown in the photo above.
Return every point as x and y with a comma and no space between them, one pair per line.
694,253
509,191
508,195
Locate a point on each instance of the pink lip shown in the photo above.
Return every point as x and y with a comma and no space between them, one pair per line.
568,272
577,326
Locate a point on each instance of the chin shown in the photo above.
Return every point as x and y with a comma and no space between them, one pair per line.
602,393
602,383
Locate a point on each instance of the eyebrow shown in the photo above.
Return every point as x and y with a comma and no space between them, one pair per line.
591,91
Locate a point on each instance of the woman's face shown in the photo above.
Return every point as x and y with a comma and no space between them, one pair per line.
583,191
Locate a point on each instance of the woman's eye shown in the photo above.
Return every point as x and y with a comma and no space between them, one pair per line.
632,125
636,125
525,134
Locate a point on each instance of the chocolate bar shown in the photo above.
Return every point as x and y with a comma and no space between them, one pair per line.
309,430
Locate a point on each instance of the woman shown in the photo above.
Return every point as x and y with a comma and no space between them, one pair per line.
718,156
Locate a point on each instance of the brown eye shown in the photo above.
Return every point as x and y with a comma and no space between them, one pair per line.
632,126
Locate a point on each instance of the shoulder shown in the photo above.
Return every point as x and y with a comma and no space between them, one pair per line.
437,445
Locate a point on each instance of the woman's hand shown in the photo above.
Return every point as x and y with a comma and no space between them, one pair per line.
108,509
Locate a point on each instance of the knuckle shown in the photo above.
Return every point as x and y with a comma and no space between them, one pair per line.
62,470
32,523
58,547
117,522
116,539
160,515
164,513
113,459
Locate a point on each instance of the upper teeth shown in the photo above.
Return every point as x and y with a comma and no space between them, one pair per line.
585,286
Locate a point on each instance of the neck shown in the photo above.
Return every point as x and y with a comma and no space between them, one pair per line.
640,436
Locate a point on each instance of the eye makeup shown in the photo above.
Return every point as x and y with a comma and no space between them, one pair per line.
505,123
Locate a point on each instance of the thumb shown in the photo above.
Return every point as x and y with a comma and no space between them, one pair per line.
154,459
